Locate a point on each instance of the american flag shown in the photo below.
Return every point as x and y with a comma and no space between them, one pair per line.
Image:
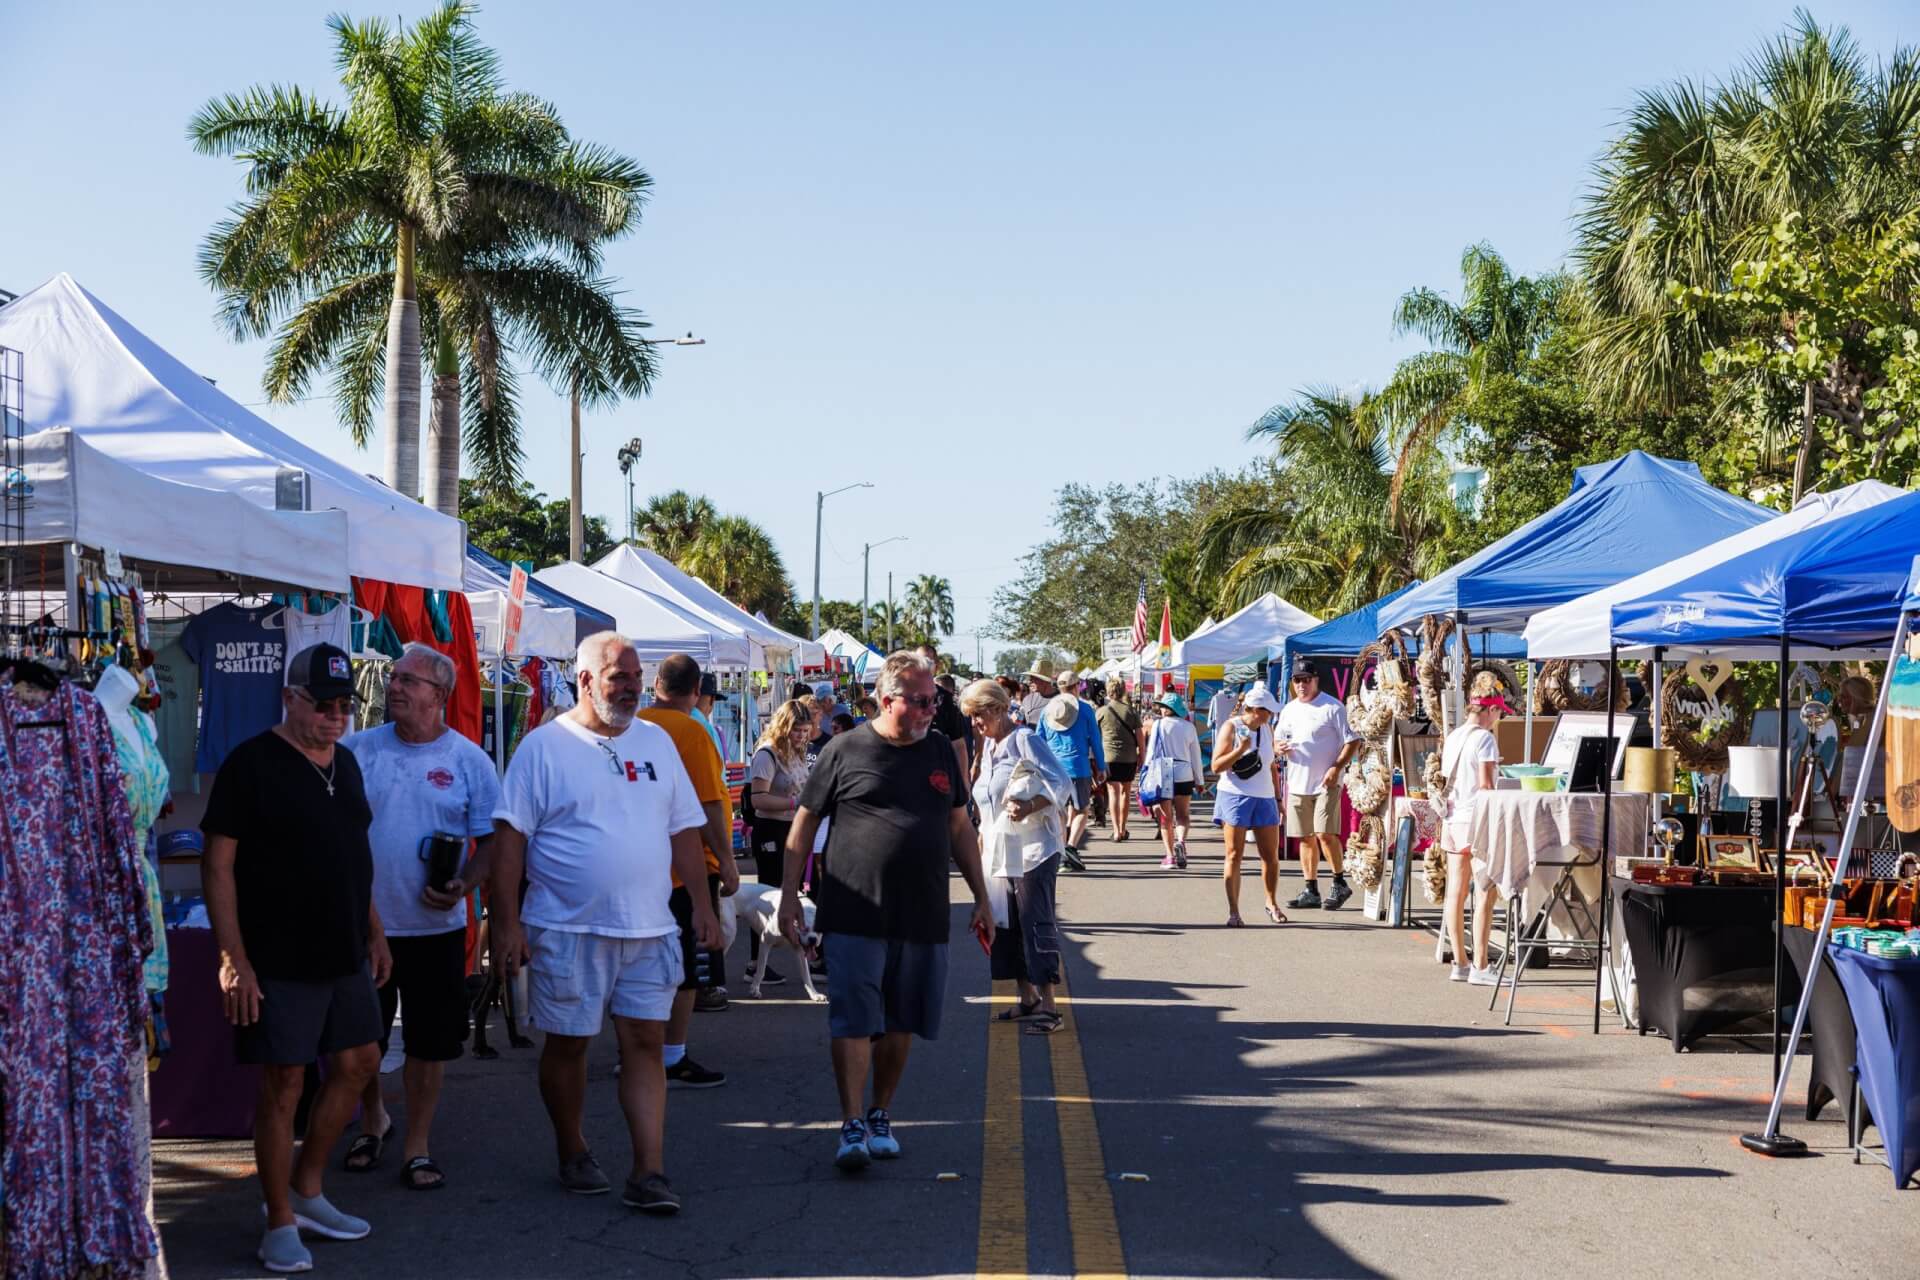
1140,618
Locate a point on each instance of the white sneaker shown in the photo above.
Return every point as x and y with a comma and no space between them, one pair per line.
1458,973
1483,978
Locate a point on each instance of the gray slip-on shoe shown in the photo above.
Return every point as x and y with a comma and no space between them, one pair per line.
281,1250
320,1217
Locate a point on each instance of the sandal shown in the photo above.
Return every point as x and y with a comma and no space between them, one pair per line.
1022,1012
363,1153
1235,922
1276,915
1045,1024
422,1164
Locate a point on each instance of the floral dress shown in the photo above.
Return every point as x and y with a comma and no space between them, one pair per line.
74,932
143,771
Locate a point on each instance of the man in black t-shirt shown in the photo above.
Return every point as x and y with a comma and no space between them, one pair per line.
289,885
948,720
899,815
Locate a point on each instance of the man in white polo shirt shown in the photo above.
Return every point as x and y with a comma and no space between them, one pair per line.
600,813
1311,733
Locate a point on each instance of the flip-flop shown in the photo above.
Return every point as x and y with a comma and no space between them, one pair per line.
367,1149
422,1164
1021,1012
1276,915
1045,1024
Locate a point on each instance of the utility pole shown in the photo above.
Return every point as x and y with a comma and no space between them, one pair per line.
866,553
576,516
819,508
889,611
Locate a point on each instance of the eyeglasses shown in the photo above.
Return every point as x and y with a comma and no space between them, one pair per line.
613,757
329,707
408,678
923,701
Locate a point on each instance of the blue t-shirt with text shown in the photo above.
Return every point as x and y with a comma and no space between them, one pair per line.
242,670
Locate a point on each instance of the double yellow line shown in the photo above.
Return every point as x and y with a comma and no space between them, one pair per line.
1091,1222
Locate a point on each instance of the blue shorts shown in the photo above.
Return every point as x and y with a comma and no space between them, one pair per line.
1233,810
880,985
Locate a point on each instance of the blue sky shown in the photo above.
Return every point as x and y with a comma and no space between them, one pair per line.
967,253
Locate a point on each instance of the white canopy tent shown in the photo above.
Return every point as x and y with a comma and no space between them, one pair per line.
88,369
768,645
866,660
1249,635
657,627
191,536
545,632
1583,627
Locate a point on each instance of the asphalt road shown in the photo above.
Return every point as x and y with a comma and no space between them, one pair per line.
1306,1100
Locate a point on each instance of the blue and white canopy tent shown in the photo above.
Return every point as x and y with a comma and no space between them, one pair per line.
1349,633
1843,586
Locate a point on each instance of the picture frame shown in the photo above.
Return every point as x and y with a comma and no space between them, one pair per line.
1735,853
1575,725
1414,750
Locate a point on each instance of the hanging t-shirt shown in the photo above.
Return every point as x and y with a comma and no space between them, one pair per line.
416,790
242,670
304,630
178,718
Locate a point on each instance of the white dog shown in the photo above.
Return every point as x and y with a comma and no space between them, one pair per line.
759,906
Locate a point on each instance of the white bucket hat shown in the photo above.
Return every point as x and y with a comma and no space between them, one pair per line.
1062,710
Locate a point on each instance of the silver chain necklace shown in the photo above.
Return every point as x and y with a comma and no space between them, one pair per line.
327,776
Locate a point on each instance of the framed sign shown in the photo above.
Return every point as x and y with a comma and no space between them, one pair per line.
1575,725
1116,642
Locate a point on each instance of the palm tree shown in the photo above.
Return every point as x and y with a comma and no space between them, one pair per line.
431,198
1696,182
671,523
928,605
737,558
1326,535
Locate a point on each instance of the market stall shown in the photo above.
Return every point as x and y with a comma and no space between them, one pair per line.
1253,633
657,627
768,647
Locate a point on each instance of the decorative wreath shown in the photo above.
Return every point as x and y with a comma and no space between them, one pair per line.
1431,774
1369,780
1554,691
1431,669
1681,725
1387,655
1371,713
1365,857
1436,873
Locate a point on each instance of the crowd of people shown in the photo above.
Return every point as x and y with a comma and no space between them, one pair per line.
340,867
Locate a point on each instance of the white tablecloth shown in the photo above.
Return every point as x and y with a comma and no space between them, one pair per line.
1513,830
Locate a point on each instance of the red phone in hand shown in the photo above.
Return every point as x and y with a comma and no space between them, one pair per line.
981,933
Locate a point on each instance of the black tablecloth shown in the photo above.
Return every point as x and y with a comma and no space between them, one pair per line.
1702,955
1831,1023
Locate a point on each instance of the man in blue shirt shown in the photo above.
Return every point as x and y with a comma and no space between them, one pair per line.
1069,728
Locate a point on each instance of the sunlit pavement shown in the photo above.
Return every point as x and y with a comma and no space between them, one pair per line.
1312,1099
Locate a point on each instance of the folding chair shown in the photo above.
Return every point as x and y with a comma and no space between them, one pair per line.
1524,940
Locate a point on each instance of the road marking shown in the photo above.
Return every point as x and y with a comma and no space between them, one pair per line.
1002,1249
1091,1221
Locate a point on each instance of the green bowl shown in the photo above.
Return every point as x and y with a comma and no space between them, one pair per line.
1540,782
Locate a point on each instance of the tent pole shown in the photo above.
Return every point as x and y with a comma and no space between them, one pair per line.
1780,788
1772,1142
1526,751
1656,691
1606,845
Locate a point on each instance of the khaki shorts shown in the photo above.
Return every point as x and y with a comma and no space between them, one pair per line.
1317,815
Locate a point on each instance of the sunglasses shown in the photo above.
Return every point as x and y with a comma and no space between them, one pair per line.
329,706
613,758
923,701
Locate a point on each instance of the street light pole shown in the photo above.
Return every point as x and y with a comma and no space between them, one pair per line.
889,611
628,455
866,552
819,508
576,514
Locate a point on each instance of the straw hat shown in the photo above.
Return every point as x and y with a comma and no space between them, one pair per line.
1061,712
1042,669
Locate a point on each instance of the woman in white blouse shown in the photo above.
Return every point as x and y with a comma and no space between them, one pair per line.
1172,735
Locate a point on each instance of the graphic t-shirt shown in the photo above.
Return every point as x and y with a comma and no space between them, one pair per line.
703,767
884,874
303,872
242,670
599,815
444,787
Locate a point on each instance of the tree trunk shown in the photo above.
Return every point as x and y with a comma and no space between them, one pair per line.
402,416
443,432
1809,439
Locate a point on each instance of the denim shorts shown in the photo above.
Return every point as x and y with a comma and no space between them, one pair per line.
880,985
1232,809
576,977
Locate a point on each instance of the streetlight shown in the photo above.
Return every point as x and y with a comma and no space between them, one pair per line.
628,455
819,506
576,517
866,625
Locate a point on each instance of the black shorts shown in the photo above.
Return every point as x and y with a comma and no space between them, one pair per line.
1121,771
769,865
301,1020
1183,788
699,968
430,978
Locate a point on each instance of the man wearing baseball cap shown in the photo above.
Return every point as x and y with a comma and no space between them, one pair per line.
1313,736
289,884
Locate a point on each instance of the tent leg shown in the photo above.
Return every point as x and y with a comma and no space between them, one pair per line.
1526,750
1656,691
1771,1142
1780,791
1606,847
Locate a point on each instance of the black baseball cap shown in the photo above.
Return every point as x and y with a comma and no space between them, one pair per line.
1305,667
710,688
323,670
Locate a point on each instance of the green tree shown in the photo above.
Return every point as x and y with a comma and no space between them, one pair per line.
521,524
737,558
671,523
928,607
432,200
796,616
1020,659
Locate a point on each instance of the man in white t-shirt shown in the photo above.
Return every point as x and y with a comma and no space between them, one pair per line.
1311,733
601,814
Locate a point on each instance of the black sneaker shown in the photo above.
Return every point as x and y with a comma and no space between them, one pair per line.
1338,894
773,978
1309,897
651,1194
1071,856
710,1000
688,1074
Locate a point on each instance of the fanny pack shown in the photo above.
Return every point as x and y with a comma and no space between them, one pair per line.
1248,766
